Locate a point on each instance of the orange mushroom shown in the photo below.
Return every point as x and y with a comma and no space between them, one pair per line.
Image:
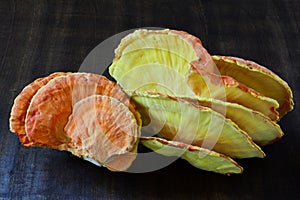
103,129
21,104
51,106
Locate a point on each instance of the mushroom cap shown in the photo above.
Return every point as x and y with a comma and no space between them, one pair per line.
104,129
179,42
51,106
21,104
199,157
228,89
259,127
259,78
178,119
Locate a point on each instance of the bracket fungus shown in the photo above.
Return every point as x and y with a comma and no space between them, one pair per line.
193,124
180,43
21,104
199,157
231,90
103,129
259,78
259,127
211,85
49,107
205,109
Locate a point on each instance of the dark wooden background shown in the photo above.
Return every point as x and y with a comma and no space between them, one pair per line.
40,37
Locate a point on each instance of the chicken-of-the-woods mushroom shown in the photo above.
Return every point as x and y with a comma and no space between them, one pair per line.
42,110
202,108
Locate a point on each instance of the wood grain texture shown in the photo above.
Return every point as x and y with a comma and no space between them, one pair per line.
40,37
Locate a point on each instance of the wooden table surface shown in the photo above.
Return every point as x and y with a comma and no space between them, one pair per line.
40,37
